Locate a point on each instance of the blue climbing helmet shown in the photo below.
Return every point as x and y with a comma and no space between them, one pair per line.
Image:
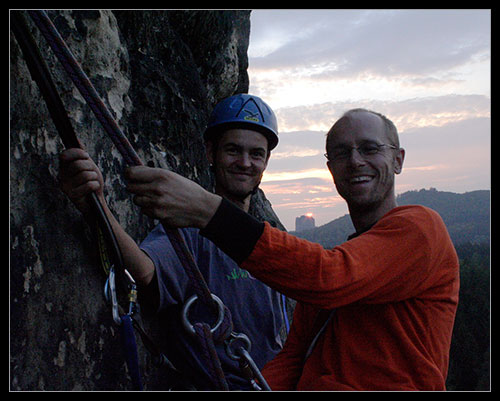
244,111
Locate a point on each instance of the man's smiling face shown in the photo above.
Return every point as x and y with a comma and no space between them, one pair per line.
240,160
362,169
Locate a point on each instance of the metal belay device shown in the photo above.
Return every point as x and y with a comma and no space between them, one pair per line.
237,345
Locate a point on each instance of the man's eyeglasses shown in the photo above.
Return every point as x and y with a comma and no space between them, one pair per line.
365,150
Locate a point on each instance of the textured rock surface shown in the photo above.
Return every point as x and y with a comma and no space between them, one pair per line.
160,72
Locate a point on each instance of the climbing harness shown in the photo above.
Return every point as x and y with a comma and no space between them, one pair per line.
331,314
111,257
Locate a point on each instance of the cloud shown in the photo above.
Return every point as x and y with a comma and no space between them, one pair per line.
347,43
460,145
303,144
406,114
321,56
295,151
321,173
427,168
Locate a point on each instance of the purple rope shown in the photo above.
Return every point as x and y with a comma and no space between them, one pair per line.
208,348
196,279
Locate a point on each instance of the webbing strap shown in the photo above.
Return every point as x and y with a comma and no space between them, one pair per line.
129,347
309,351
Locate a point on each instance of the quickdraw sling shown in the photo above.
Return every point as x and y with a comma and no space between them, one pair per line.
207,336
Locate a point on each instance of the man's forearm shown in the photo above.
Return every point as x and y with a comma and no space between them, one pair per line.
136,261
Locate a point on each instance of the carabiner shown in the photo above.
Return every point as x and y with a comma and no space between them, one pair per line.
110,295
241,354
247,363
235,337
185,312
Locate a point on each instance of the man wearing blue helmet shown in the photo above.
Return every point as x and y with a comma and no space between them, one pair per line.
241,132
237,122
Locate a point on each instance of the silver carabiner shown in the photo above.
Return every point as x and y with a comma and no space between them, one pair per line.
110,295
241,354
247,345
185,312
247,360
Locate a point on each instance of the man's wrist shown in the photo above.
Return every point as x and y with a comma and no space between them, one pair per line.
211,204
233,231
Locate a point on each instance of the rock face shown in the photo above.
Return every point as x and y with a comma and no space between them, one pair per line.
160,73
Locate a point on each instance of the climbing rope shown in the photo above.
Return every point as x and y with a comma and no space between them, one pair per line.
102,113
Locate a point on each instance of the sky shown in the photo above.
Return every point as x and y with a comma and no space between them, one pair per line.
426,70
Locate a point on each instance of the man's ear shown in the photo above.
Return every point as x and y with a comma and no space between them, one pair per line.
399,160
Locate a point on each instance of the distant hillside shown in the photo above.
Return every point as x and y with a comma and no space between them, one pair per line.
467,217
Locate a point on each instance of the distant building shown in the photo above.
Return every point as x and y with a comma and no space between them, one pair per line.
303,223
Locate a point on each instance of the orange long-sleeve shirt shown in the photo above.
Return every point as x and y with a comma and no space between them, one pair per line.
395,290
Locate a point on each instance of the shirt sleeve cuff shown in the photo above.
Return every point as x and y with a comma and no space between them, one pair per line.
233,231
